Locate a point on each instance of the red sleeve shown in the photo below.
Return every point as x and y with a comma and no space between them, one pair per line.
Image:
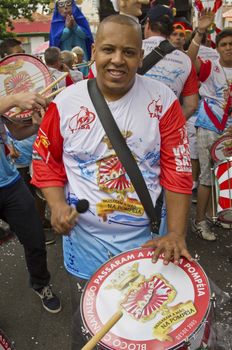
205,70
48,167
191,85
175,162
90,75
68,80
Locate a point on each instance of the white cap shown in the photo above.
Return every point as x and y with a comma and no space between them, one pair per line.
115,5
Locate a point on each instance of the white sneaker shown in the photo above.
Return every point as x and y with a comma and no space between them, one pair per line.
202,230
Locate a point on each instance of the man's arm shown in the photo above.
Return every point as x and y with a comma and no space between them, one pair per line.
189,105
63,216
49,173
176,179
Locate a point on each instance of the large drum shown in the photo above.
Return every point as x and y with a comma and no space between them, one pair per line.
223,190
22,73
164,306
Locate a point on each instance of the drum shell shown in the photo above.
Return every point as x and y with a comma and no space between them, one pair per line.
223,190
195,339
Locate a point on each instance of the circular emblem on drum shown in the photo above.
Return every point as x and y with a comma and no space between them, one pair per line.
163,306
222,148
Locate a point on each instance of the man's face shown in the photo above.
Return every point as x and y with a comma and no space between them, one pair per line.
225,51
177,39
131,7
118,54
64,7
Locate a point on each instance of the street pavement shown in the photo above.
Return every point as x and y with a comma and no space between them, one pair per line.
30,327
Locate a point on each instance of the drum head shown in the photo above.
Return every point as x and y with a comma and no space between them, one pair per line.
22,73
222,148
162,305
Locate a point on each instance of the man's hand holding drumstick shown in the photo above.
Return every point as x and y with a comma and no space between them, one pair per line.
33,100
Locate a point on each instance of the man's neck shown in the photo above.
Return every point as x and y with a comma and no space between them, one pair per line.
150,34
133,17
225,64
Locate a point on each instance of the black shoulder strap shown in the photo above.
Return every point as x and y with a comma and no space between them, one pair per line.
124,154
157,54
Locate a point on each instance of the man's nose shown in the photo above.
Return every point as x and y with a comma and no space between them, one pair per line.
117,57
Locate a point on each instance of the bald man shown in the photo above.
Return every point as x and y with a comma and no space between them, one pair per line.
71,166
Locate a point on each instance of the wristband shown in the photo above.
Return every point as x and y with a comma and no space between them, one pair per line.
200,33
195,43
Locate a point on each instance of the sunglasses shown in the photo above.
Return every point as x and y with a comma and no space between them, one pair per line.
64,3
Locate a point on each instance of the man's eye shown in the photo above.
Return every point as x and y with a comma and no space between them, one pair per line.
107,49
129,53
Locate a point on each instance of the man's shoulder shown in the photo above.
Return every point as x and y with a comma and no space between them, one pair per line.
154,86
77,89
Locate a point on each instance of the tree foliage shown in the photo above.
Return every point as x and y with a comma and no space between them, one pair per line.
13,9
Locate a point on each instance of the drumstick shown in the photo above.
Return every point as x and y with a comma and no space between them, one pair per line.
54,93
50,86
43,91
105,329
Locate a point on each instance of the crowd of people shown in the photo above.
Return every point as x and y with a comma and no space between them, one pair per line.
170,116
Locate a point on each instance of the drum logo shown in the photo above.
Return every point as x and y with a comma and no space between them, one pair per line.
145,298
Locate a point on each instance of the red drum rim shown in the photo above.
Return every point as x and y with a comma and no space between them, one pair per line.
178,311
215,146
45,75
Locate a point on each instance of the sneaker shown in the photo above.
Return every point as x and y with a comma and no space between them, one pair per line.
50,301
5,235
203,231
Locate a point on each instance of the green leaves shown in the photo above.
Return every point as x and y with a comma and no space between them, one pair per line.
14,9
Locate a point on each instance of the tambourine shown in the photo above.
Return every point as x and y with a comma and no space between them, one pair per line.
222,148
164,306
22,73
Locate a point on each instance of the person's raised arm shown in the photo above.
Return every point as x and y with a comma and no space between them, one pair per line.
205,20
189,105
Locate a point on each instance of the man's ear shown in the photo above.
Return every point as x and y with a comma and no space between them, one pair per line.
93,50
141,58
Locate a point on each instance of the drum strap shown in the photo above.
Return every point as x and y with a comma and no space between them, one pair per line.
156,55
220,125
125,156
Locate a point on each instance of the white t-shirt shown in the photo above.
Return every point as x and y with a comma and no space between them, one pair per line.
77,153
214,90
174,70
